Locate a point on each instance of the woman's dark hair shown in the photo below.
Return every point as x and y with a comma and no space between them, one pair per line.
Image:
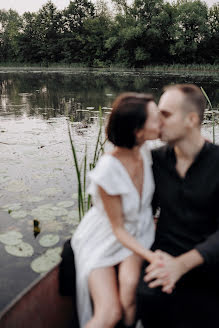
128,115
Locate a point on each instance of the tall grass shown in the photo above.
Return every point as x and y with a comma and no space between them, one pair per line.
211,69
212,111
84,200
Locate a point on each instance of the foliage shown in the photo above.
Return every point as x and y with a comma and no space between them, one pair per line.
145,32
84,200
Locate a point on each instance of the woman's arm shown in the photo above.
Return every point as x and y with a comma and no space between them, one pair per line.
113,208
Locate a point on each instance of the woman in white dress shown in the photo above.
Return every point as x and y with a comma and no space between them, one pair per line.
115,235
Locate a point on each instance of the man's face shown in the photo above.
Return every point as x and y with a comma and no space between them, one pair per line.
173,118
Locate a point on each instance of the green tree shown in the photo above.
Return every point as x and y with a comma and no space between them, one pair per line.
48,33
10,24
28,38
96,30
191,28
209,50
73,18
140,31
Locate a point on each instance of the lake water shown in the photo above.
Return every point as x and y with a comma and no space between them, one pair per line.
37,172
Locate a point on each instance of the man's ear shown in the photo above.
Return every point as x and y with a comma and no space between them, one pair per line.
193,119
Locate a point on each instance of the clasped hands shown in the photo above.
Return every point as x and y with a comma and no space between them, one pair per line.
164,270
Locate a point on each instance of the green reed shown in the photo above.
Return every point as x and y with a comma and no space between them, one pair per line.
84,200
212,112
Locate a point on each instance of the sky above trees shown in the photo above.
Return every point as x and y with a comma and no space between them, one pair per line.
32,5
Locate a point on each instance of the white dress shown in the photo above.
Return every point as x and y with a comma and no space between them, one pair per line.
94,243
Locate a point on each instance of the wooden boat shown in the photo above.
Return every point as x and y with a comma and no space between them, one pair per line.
41,306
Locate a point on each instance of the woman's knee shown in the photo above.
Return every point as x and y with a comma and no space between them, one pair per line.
110,316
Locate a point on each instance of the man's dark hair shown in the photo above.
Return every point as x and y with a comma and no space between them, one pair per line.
193,95
128,115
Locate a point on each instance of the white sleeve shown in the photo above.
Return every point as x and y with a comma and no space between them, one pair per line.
107,174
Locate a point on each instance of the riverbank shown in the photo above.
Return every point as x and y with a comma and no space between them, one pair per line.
192,69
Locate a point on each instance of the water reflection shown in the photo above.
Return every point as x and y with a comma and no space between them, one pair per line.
49,94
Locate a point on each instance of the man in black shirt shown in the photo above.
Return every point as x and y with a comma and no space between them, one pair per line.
181,289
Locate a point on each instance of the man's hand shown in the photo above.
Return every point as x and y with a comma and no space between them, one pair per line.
164,271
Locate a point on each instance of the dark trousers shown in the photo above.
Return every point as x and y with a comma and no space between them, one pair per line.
194,303
67,279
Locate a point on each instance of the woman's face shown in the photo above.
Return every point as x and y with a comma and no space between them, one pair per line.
151,128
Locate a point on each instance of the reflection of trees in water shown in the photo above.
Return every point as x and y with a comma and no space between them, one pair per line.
53,94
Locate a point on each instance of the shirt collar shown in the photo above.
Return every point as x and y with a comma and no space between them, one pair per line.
172,156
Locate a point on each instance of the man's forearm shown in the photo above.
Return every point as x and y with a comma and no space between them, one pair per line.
189,260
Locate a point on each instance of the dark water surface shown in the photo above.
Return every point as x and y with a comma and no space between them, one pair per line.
36,165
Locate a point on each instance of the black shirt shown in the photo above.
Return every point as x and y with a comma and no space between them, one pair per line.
189,206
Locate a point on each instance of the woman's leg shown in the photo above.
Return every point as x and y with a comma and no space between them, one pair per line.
105,296
129,273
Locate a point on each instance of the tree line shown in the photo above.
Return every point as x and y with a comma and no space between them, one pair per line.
145,32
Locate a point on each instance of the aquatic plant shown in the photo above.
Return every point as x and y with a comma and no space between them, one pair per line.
84,200
212,111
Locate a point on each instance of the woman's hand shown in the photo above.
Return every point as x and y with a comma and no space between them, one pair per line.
164,271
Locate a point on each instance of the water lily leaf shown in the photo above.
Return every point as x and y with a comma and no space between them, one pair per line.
75,195
66,203
4,179
49,205
12,207
71,221
20,250
34,199
18,214
52,226
73,230
54,251
16,186
50,192
39,211
43,214
46,261
49,240
73,214
72,217
11,237
59,211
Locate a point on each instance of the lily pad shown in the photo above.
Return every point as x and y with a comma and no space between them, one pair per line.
75,195
50,192
11,238
34,199
48,205
59,211
73,230
12,207
52,226
18,214
16,186
42,213
44,216
49,240
4,179
73,214
46,261
72,218
66,203
20,250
